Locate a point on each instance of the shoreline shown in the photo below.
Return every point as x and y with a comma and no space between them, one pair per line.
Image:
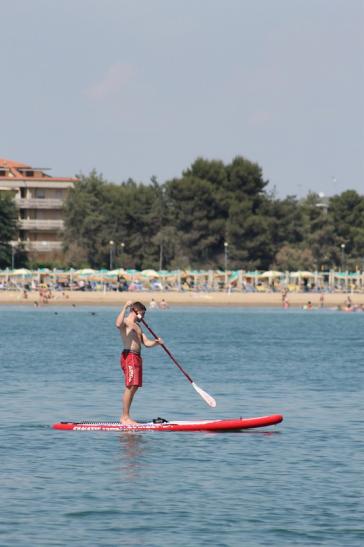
187,298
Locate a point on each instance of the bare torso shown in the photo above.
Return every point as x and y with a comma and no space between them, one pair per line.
131,335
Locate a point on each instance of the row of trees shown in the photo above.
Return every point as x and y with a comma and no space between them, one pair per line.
187,222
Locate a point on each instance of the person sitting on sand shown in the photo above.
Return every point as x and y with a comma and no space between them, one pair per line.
131,361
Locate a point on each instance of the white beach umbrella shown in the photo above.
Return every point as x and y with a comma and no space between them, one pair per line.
85,272
21,272
302,275
114,273
150,273
270,274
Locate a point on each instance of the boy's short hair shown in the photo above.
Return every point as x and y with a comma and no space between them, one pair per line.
139,307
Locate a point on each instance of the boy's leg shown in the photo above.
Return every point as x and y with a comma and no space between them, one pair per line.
127,400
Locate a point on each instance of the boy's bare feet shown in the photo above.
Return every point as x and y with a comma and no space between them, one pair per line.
127,421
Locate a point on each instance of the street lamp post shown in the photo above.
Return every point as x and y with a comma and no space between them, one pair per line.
161,256
122,245
111,243
226,245
342,256
12,255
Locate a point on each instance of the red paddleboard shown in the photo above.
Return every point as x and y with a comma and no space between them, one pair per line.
177,425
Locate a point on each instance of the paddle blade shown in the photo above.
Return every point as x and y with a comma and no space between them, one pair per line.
206,397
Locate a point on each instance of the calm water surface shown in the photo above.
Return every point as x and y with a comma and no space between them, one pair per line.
298,483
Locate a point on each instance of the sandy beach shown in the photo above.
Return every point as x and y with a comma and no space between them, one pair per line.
185,298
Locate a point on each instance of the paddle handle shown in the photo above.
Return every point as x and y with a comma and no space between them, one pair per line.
167,350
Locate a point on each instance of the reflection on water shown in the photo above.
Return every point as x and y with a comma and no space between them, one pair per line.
135,456
132,449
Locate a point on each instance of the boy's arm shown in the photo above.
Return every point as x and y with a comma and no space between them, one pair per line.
120,318
151,343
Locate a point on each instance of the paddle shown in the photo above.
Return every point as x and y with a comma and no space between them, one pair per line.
206,397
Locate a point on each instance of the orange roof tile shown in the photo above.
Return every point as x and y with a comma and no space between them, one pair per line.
16,171
10,163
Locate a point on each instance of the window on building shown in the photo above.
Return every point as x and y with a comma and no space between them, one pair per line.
23,193
40,193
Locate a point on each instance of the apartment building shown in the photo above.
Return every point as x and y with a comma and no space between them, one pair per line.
39,198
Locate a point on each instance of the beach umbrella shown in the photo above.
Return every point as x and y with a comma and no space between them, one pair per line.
42,273
150,273
355,275
302,275
60,274
22,272
131,274
178,273
251,274
56,272
270,274
341,275
113,273
251,277
168,275
85,272
197,273
219,273
173,276
98,275
233,276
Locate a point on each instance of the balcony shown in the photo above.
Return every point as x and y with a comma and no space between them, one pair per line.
43,246
34,203
34,224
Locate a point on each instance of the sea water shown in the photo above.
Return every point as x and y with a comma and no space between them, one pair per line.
298,483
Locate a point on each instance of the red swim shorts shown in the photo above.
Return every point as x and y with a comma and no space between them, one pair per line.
132,366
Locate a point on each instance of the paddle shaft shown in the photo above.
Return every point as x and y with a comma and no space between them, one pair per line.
167,351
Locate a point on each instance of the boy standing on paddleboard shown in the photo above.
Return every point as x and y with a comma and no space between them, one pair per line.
131,360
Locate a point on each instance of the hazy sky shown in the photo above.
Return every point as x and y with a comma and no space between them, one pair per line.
136,88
